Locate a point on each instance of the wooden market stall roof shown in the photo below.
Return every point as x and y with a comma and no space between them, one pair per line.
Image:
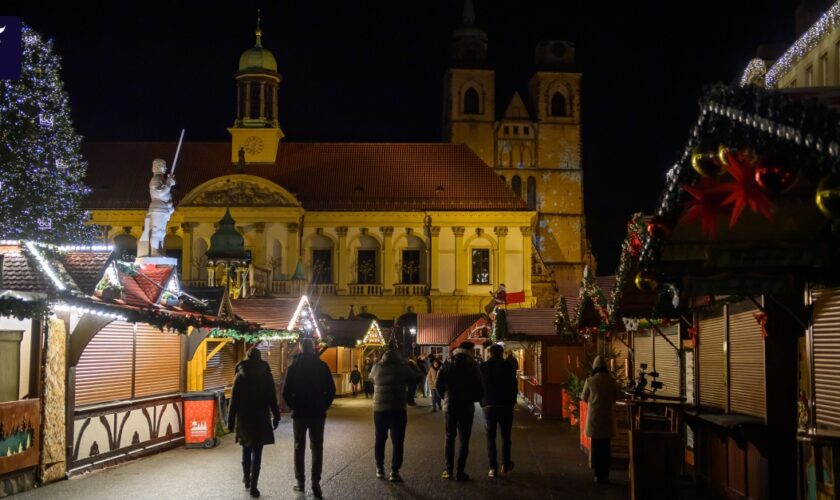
477,332
286,313
442,328
348,332
532,322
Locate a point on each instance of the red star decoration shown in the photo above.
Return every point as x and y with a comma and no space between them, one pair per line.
744,190
706,206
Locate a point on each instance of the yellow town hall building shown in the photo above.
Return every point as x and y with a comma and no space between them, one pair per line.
389,228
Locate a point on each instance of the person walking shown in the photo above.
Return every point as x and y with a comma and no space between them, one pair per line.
368,381
431,381
391,378
511,359
355,378
411,388
309,391
498,382
599,392
253,414
459,382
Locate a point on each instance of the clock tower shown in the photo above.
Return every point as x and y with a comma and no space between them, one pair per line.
256,133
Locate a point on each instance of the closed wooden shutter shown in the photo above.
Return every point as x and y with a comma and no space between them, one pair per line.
746,362
667,360
105,368
643,350
220,369
826,346
158,362
712,334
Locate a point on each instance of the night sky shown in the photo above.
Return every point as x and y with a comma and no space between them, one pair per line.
370,70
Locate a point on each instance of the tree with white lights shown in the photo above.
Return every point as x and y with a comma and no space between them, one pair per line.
41,168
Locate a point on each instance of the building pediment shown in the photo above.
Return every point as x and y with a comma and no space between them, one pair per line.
239,190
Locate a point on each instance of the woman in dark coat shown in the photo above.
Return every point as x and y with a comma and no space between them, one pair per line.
253,403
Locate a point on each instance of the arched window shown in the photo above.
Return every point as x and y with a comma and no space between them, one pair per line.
413,269
367,261
173,246
516,184
532,193
558,105
471,102
125,247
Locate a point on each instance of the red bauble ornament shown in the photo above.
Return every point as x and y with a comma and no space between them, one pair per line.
657,227
775,179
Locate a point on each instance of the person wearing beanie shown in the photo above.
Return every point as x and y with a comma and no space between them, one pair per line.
600,392
253,402
459,383
309,391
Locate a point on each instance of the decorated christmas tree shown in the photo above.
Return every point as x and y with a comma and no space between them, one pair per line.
41,169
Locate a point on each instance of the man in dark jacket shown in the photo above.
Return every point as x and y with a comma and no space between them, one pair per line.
459,383
309,390
253,402
498,381
391,377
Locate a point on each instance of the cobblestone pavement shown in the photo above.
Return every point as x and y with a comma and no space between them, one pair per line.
548,465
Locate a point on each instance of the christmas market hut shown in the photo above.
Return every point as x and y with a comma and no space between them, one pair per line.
748,228
479,333
345,341
282,320
436,331
545,358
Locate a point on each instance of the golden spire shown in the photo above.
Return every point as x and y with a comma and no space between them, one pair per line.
259,30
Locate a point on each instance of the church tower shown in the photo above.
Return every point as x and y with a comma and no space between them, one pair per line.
534,146
256,134
468,89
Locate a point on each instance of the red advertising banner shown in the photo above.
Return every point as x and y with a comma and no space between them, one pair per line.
199,420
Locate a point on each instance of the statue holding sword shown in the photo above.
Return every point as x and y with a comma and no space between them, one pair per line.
160,208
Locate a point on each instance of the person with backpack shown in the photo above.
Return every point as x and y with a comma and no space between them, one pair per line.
309,391
459,383
253,414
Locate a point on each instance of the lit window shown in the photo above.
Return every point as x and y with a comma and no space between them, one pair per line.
481,266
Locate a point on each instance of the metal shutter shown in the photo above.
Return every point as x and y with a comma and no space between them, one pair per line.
711,335
667,360
826,351
158,362
746,363
220,374
104,370
643,353
272,353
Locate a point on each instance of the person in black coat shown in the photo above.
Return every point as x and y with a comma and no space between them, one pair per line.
253,403
391,377
355,378
309,391
459,383
498,381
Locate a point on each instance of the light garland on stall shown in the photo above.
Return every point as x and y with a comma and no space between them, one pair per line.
256,336
45,266
89,310
806,43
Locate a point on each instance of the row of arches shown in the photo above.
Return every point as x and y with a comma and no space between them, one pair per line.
558,102
530,189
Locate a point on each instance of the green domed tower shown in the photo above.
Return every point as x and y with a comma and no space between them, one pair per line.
256,131
227,261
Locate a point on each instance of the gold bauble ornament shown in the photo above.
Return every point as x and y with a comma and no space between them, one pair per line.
828,196
647,281
705,160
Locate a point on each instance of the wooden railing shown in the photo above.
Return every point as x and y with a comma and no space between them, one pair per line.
415,289
358,289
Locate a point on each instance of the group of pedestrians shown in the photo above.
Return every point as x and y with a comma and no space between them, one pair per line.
459,383
254,413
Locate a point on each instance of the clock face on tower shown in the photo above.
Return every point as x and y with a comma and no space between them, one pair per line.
253,145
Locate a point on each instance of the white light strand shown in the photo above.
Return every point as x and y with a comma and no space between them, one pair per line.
45,266
756,69
810,39
89,310
86,248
